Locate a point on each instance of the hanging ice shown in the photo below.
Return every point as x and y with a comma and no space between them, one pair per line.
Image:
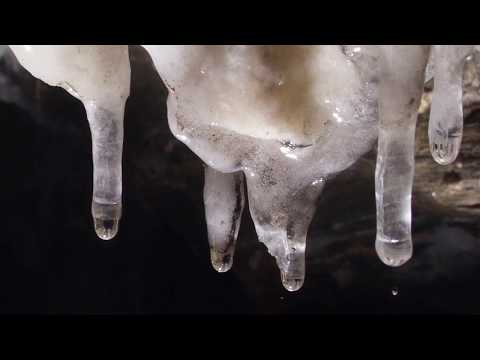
280,120
287,116
224,200
402,74
446,116
99,76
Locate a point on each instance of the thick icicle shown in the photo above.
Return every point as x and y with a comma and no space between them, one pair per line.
401,85
282,216
99,76
224,199
106,127
446,116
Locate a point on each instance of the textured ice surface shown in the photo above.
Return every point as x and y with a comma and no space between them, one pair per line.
287,116
99,76
278,120
446,115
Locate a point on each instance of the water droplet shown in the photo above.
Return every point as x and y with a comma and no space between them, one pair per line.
221,262
106,218
106,229
291,283
393,253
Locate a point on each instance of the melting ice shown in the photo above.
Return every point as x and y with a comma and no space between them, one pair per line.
99,76
289,118
273,123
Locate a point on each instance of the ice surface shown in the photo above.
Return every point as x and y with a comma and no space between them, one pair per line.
289,117
99,76
446,115
280,120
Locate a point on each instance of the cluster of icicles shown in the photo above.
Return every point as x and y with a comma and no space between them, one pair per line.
280,120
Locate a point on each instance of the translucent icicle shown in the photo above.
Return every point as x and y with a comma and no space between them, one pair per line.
446,116
401,85
106,127
282,217
99,76
224,199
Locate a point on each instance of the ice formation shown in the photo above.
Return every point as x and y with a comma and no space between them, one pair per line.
99,76
401,79
446,115
288,117
274,123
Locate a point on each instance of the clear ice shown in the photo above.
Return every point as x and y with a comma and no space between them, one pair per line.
273,123
402,75
224,199
99,76
446,115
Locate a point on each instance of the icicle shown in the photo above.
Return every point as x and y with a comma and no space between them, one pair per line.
282,216
106,126
401,85
99,76
224,200
446,116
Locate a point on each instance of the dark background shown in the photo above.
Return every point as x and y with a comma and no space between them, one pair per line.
52,262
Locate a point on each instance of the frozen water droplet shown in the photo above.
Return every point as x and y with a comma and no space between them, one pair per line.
395,291
99,76
445,148
106,218
291,283
393,253
446,115
221,262
224,200
106,229
396,150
